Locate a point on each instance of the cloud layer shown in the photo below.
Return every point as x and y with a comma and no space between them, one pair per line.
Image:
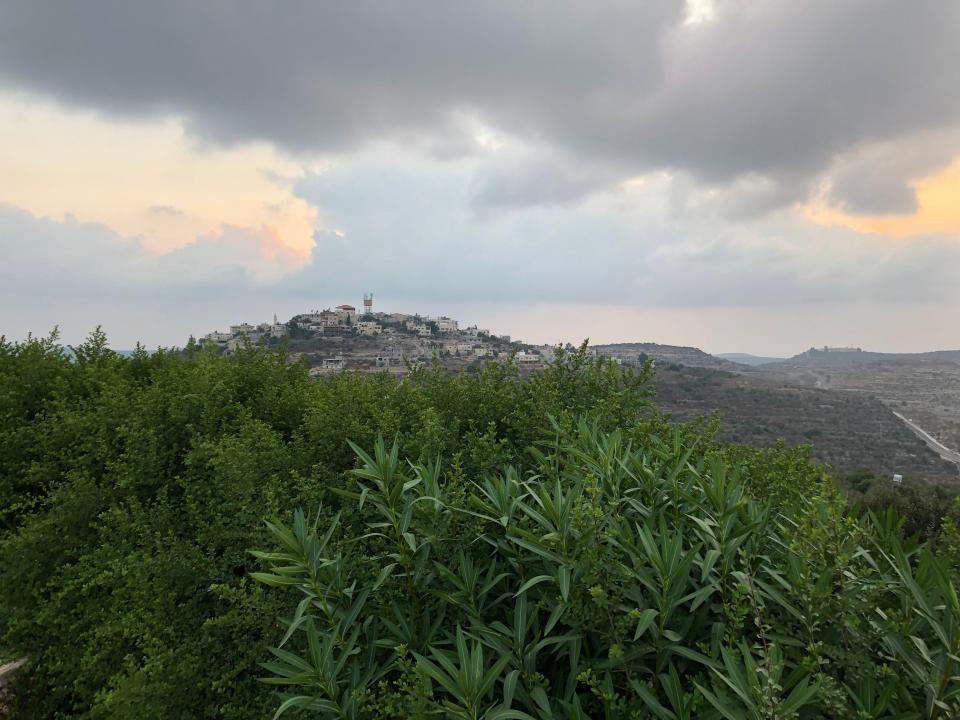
719,156
614,88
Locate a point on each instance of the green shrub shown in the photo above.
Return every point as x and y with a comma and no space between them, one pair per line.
132,488
606,579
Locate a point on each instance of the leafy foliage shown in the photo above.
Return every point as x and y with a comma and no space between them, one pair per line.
541,548
131,489
610,579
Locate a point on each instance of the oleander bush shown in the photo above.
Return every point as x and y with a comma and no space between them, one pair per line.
596,577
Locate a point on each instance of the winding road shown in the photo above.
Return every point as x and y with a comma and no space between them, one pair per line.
934,444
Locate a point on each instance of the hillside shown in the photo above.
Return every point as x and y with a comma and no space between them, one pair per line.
689,356
857,356
848,430
748,359
924,387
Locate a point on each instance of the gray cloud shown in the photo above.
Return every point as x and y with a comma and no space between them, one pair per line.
780,87
876,179
537,178
319,76
409,234
768,90
52,257
48,256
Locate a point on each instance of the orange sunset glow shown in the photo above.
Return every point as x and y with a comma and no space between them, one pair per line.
938,210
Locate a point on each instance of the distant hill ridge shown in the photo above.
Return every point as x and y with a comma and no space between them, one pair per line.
849,430
681,355
854,356
748,359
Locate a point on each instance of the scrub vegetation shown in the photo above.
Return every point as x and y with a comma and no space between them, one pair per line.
184,535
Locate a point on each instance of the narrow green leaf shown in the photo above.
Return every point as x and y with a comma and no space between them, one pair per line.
533,581
643,622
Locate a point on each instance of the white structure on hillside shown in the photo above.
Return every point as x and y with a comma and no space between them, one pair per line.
329,318
328,365
420,328
446,325
277,329
242,329
218,337
347,313
369,327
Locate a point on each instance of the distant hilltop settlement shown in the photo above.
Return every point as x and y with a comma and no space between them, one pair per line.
343,339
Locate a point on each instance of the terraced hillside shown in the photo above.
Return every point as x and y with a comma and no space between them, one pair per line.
924,387
851,431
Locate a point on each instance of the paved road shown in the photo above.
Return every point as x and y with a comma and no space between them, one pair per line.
934,444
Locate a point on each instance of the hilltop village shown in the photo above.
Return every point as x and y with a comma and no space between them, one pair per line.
343,339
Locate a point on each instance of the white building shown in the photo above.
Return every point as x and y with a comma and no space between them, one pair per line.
525,357
329,318
419,328
328,365
446,325
242,329
218,337
347,313
369,327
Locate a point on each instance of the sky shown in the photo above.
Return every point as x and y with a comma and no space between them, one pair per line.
738,175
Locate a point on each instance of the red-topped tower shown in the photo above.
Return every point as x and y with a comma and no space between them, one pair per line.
368,303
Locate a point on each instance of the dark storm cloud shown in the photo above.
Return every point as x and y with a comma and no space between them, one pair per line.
329,75
769,89
780,87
